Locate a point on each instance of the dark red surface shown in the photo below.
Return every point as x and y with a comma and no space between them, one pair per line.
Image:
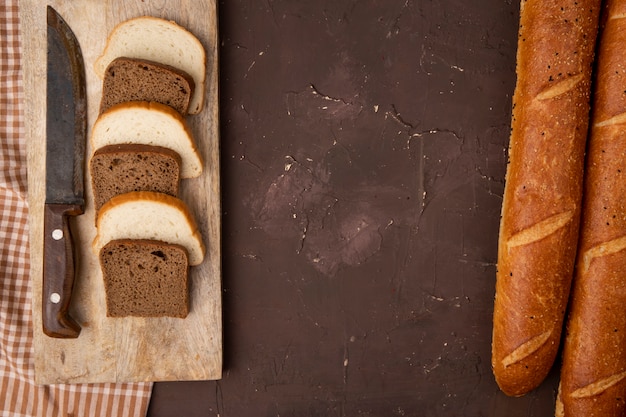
363,158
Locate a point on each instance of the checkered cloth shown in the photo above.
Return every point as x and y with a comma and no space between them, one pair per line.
19,396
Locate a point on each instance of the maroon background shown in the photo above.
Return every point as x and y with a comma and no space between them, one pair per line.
363,156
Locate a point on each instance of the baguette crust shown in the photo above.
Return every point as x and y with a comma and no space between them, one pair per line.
593,376
541,204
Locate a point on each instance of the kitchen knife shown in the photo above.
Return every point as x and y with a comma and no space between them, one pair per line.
66,128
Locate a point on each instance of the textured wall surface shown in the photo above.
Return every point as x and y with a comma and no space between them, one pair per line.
363,153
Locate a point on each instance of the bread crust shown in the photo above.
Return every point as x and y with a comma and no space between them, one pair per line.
192,163
145,278
107,180
134,79
154,200
541,204
593,375
117,37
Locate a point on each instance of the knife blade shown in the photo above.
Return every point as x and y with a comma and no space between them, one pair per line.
66,129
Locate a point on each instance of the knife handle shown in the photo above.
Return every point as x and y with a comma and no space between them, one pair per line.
58,271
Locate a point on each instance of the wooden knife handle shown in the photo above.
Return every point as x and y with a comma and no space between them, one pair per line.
58,271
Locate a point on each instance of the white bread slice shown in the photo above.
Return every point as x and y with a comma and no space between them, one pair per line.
149,215
162,41
148,123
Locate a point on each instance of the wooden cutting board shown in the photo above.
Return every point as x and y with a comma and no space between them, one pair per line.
124,349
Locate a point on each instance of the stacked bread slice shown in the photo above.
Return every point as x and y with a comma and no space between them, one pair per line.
153,73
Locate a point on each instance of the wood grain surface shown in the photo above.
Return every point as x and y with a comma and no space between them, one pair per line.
128,349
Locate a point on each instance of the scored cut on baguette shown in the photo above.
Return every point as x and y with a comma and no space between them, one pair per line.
149,215
158,40
148,123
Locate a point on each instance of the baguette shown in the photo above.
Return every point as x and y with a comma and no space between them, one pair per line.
541,204
593,375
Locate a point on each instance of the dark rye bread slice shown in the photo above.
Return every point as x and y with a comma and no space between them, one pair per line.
133,79
122,168
145,278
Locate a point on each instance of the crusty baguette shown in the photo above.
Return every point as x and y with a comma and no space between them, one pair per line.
541,204
593,374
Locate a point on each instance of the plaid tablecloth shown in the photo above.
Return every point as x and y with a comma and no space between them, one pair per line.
19,396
